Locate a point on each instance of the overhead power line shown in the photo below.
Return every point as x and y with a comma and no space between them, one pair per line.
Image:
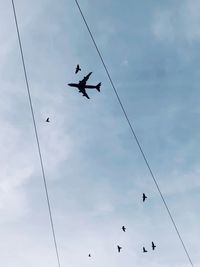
36,134
133,132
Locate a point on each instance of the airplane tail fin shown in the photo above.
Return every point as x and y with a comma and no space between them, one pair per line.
98,87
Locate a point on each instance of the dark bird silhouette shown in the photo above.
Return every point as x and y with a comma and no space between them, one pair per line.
124,228
77,69
144,250
47,120
119,248
144,197
89,255
153,246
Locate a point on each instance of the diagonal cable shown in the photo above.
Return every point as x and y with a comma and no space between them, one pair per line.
134,134
36,135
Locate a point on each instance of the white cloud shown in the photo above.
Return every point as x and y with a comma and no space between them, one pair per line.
162,27
105,29
180,21
16,168
125,63
91,203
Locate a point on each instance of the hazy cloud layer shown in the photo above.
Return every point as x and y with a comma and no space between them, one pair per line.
95,172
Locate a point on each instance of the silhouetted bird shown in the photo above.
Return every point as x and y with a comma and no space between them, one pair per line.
89,255
144,250
119,248
47,120
77,69
153,246
144,197
124,228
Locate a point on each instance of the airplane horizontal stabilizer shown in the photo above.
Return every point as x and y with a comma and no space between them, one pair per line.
98,87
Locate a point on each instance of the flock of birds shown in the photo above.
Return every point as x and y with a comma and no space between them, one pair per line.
124,230
119,248
144,197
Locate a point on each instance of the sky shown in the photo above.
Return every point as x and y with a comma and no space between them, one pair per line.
94,169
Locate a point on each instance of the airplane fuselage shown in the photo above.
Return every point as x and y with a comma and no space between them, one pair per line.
81,87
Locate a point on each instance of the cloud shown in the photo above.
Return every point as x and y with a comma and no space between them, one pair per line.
95,174
16,169
179,22
162,27
125,63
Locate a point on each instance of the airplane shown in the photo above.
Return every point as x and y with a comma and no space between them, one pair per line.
124,228
144,250
144,197
77,69
47,120
82,85
153,246
119,248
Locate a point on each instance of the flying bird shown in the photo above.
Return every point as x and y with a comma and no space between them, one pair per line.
153,246
47,120
119,248
77,69
144,250
89,255
144,197
124,228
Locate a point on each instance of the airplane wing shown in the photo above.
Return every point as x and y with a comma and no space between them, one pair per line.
85,94
85,79
144,197
119,248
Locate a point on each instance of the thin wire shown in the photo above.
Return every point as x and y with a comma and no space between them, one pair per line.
133,132
36,135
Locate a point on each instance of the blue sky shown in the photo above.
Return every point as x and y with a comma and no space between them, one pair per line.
95,172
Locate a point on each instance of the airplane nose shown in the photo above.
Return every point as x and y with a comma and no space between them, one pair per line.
72,84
